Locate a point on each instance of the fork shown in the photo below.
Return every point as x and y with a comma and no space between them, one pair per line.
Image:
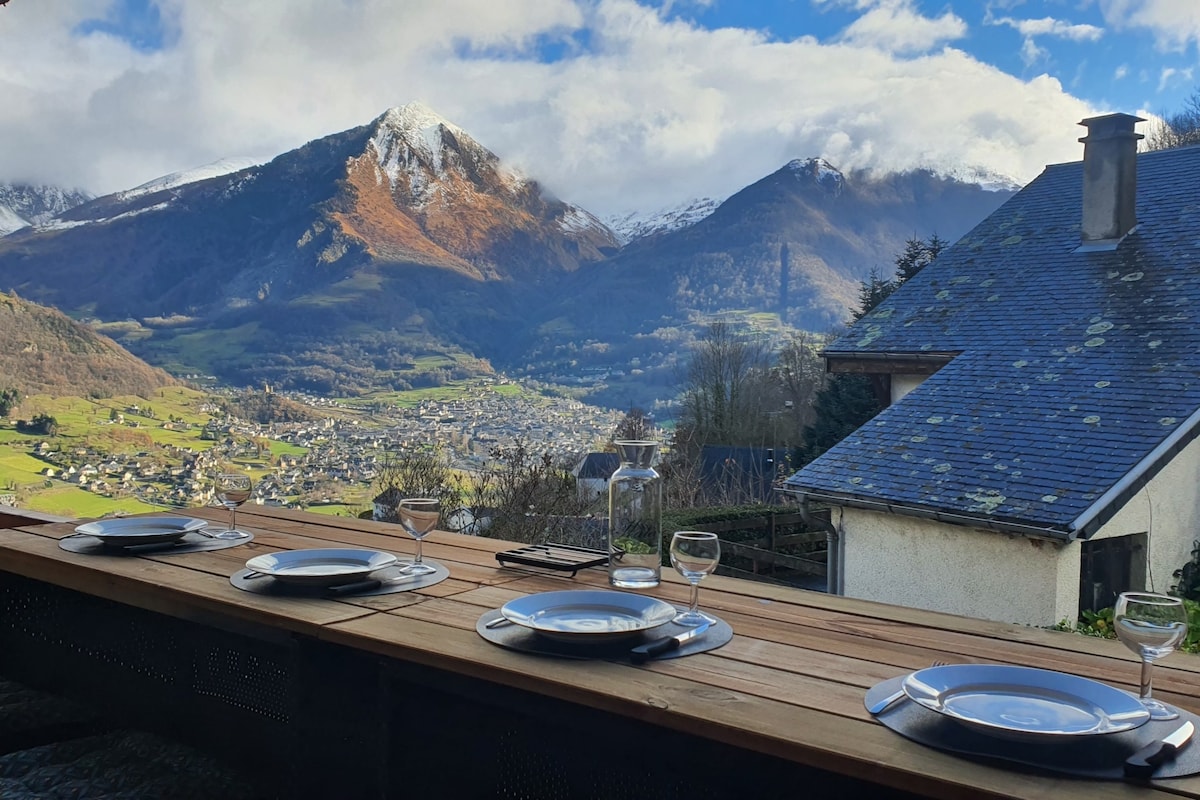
884,703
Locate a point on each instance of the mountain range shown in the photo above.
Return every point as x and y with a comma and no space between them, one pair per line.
403,252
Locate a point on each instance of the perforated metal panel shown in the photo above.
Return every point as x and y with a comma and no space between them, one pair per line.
213,689
319,720
504,743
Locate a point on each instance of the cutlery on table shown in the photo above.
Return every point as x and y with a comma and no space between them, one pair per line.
367,585
497,622
644,652
887,701
1143,763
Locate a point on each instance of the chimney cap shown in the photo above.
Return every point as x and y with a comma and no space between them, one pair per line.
1111,126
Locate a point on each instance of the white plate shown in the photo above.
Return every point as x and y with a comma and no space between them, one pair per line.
1023,702
320,567
588,615
127,531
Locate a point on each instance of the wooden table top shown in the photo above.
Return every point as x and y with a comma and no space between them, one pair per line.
789,684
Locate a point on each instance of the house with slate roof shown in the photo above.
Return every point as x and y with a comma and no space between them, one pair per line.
592,474
1039,453
738,474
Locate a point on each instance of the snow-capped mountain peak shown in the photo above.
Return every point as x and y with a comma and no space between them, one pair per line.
819,170
419,128
418,150
632,225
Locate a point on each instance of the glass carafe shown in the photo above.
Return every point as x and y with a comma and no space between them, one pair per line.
635,518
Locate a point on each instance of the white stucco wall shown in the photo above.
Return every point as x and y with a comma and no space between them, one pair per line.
922,563
903,384
986,574
1168,508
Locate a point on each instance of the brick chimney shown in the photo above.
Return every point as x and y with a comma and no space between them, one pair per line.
1109,179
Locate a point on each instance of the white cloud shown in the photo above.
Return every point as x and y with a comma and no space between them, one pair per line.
647,113
1174,23
895,26
1169,76
1120,72
1031,53
1048,26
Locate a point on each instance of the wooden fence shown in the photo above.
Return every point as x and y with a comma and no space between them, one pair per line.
762,550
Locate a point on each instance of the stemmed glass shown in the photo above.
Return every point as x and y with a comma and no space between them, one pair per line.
232,491
694,554
1151,625
419,515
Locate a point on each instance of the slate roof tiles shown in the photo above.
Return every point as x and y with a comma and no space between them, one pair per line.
1072,367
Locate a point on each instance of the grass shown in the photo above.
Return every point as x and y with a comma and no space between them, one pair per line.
71,501
18,469
86,422
446,393
195,352
336,509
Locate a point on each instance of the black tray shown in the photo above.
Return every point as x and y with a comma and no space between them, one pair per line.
562,557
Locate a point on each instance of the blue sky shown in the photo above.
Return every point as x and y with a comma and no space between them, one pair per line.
613,104
1102,52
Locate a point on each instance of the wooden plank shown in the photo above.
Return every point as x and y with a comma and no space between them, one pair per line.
168,588
809,736
790,684
20,518
801,564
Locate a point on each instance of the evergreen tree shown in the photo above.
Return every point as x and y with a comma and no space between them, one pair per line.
849,401
8,401
844,405
917,255
873,291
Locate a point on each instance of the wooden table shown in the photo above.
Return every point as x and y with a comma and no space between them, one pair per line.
782,701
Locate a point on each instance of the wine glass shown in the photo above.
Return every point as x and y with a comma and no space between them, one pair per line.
1151,625
694,554
232,490
419,515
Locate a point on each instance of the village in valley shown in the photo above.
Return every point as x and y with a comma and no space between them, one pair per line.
331,461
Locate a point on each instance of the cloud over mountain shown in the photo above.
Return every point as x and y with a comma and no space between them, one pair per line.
614,104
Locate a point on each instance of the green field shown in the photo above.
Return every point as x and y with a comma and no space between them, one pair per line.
71,501
449,392
336,509
86,423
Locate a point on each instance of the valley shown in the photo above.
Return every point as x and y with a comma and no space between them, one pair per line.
134,454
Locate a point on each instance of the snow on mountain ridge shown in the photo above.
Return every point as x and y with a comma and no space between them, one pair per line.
578,219
217,168
632,225
22,205
10,221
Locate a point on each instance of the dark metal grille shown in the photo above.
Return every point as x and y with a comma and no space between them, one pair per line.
1106,568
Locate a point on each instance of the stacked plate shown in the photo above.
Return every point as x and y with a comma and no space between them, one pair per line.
132,531
588,616
1024,703
321,566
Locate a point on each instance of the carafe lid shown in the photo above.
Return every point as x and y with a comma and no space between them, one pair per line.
638,452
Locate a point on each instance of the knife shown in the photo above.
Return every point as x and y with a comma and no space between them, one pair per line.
1143,763
369,585
644,652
